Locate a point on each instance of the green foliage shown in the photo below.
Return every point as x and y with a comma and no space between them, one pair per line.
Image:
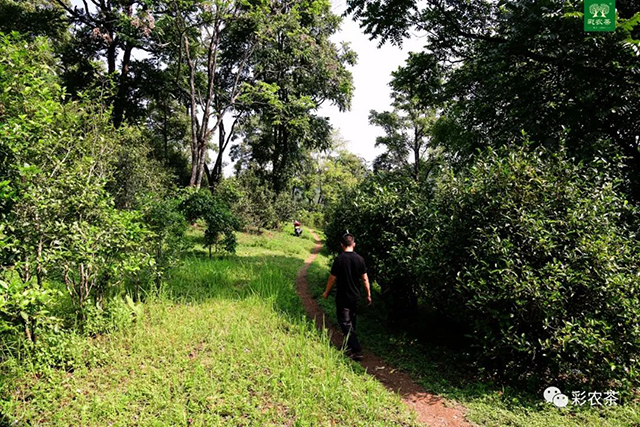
136,174
383,218
534,253
529,250
325,177
33,18
496,68
255,203
24,311
119,313
65,167
310,219
297,68
63,222
220,221
167,223
407,132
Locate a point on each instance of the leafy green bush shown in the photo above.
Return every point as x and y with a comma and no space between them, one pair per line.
310,219
531,251
383,213
117,313
535,254
254,203
59,225
25,311
221,223
168,225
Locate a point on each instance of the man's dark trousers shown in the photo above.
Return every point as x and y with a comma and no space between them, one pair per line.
346,311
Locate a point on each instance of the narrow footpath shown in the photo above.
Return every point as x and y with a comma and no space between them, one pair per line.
430,409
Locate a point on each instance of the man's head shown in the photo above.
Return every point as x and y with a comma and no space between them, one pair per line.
347,241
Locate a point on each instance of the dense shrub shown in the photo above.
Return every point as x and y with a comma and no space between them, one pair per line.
63,223
59,225
254,203
310,218
221,223
534,252
167,223
529,250
25,310
384,214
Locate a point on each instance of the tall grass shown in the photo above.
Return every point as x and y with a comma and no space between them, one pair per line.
224,343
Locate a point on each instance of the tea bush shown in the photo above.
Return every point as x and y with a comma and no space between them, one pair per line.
221,223
384,214
535,253
531,251
60,228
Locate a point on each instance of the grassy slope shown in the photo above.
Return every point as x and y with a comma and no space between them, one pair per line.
226,344
437,369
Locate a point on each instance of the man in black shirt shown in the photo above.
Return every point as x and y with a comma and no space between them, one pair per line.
347,270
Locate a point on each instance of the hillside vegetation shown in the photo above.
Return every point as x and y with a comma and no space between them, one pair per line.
224,344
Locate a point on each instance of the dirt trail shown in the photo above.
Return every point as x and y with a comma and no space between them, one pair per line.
431,409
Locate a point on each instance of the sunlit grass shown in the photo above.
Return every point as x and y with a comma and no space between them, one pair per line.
225,343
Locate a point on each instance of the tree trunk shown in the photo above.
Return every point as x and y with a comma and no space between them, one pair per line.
111,56
416,155
123,87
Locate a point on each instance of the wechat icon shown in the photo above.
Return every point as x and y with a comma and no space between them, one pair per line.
555,396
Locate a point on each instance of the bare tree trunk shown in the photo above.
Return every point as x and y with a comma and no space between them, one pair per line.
202,102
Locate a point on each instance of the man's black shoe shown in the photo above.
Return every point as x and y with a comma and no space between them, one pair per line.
357,356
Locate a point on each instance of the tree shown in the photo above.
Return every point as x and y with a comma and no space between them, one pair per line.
209,47
325,176
407,130
216,212
34,18
61,222
499,68
298,68
111,31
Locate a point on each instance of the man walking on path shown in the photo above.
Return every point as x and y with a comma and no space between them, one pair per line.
347,270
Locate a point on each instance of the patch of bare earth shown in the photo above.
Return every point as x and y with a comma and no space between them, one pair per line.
431,409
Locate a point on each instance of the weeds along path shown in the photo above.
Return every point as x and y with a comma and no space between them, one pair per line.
430,409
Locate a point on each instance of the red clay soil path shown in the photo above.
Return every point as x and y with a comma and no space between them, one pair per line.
430,408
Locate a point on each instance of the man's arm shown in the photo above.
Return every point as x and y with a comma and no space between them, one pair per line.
367,287
330,283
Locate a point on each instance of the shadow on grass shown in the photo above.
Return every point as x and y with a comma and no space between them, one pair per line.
6,421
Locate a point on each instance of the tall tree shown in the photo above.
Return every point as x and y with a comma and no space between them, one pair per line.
407,131
112,31
299,68
209,47
503,67
328,175
34,18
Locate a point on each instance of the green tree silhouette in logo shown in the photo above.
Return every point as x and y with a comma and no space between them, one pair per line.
601,9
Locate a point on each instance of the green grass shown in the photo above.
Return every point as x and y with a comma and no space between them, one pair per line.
225,343
441,369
